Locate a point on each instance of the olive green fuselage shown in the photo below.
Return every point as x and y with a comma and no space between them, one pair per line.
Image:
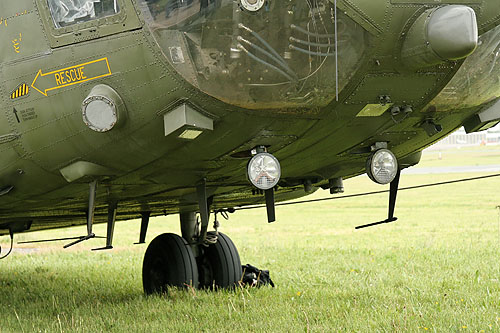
42,131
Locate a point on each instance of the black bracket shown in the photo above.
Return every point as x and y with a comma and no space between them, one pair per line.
270,206
90,216
79,240
112,208
393,193
144,227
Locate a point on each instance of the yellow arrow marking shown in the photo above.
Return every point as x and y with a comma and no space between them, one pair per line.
71,75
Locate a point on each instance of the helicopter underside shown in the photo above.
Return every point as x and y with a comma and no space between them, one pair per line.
321,122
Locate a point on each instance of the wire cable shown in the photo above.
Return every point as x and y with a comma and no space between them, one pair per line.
304,42
11,245
312,34
322,54
336,53
374,192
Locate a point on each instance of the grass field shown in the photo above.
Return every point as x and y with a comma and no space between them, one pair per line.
436,269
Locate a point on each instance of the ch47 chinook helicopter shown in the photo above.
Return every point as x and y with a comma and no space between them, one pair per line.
118,109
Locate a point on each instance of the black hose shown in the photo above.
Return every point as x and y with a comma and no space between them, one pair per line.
277,60
304,42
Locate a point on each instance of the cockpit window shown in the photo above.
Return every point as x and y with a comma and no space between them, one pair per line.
68,12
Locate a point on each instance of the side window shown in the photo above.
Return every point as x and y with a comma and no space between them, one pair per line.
68,12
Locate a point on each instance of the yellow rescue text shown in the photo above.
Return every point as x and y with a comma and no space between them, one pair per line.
70,76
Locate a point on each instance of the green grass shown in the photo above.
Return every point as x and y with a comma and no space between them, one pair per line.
468,155
435,269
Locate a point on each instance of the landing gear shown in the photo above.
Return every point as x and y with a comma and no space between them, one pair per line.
171,262
168,262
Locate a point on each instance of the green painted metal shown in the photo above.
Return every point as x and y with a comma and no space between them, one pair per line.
156,67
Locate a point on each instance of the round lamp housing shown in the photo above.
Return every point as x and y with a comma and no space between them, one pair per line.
102,109
252,5
264,171
382,166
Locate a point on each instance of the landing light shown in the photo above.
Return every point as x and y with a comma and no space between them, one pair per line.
99,114
264,171
382,166
102,109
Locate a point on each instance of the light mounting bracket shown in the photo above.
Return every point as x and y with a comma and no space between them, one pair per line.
393,193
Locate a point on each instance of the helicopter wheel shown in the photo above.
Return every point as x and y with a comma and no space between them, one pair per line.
219,264
168,262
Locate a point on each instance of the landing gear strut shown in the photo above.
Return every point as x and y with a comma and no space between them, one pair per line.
174,261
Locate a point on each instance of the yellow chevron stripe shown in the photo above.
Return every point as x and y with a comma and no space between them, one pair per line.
20,91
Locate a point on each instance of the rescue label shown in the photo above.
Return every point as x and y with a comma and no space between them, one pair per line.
70,76
45,82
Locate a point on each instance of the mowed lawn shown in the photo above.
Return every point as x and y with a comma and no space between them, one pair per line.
436,269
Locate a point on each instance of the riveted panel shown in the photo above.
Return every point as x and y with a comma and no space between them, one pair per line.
21,35
369,14
400,88
489,15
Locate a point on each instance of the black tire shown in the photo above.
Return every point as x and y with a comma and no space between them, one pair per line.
220,265
168,262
